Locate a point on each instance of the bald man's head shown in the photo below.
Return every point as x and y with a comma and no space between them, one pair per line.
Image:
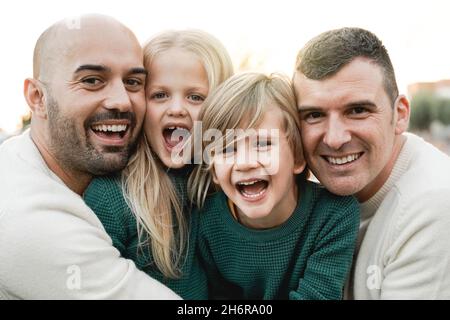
87,94
59,39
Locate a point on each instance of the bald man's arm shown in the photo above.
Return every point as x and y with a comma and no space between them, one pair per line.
56,255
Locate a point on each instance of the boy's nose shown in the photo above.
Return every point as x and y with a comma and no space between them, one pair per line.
246,159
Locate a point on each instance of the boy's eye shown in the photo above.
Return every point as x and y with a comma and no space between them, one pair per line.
229,150
263,144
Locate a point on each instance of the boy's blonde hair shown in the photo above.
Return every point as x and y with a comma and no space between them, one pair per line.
148,189
241,103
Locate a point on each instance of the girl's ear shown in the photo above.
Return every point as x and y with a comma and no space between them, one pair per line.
35,97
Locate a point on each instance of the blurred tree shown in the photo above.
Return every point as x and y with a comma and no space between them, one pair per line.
426,107
443,111
26,120
423,109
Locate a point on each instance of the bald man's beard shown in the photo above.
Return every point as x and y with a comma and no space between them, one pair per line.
71,146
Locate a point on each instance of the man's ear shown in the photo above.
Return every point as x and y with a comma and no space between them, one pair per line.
34,95
403,111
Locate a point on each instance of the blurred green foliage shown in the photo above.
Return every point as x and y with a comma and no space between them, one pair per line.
426,108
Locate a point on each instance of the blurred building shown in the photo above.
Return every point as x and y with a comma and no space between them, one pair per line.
439,88
433,106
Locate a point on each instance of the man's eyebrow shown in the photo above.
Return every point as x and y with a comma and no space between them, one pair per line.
353,104
307,108
138,70
365,103
92,67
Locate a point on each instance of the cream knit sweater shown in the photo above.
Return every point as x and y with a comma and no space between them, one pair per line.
52,246
404,250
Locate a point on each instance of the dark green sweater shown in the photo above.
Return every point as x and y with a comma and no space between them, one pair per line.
104,196
307,257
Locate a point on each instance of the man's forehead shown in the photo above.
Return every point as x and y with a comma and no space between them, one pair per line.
352,81
105,55
93,40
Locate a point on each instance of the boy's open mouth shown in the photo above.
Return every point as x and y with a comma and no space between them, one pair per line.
253,188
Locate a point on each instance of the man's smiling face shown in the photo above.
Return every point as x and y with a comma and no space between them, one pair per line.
95,100
348,126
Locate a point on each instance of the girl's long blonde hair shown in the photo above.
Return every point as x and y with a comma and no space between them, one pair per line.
241,103
147,187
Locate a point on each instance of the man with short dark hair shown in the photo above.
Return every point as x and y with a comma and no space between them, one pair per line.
88,103
354,126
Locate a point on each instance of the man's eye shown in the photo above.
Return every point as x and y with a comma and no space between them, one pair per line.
196,98
133,82
313,117
92,81
358,110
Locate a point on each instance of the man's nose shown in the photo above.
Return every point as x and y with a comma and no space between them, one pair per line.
119,98
337,134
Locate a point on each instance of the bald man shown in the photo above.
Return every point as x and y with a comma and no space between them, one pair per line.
87,101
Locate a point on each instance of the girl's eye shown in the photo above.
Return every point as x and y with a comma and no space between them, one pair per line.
196,98
159,95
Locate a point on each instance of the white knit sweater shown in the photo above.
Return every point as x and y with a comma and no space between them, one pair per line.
405,229
52,246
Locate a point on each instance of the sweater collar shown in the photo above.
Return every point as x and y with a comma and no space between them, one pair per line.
369,207
31,154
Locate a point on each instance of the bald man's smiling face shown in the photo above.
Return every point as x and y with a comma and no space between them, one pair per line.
96,100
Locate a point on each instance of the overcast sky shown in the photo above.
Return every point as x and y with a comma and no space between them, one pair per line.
415,32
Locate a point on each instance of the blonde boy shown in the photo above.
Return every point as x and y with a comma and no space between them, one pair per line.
268,233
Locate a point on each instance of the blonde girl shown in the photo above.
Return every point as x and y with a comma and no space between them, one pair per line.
184,67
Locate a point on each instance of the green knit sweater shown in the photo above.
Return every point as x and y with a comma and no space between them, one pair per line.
104,196
307,257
